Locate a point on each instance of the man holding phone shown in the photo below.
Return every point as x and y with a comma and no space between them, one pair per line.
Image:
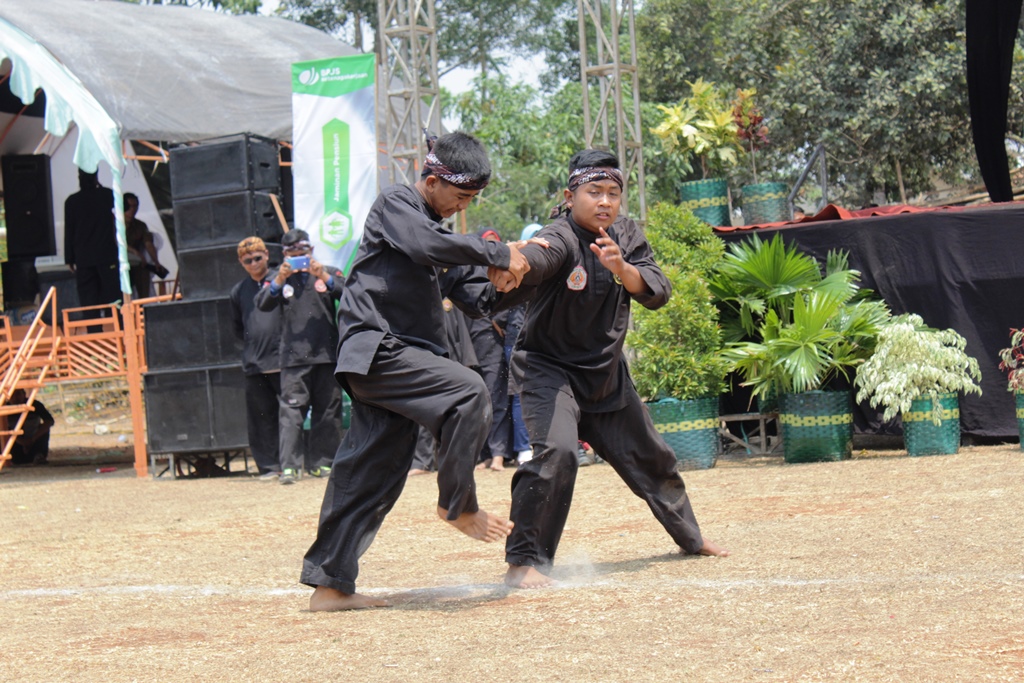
305,291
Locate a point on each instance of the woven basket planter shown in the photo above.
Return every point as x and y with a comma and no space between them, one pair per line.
816,426
707,199
690,428
923,437
765,203
1020,417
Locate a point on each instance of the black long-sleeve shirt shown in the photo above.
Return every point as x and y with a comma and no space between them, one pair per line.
577,318
309,335
90,238
397,281
259,330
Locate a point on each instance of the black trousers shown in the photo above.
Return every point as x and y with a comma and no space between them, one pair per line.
405,387
542,488
302,388
423,457
262,396
97,285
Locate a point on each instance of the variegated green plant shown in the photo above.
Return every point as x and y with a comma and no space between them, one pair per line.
912,361
701,126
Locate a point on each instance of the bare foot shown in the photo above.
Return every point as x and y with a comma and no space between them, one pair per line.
415,472
481,465
712,549
483,526
498,463
526,577
326,599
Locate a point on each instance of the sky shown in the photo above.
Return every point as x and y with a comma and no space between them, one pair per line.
459,80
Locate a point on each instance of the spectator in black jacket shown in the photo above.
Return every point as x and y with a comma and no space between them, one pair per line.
305,291
261,357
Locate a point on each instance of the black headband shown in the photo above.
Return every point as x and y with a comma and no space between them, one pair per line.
434,166
584,175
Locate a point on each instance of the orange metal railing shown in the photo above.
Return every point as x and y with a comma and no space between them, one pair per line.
112,345
35,357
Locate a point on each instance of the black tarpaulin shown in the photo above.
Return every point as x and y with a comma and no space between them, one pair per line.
958,269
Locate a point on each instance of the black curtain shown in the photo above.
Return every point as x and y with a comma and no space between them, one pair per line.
991,34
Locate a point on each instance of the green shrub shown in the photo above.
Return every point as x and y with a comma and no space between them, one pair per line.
675,348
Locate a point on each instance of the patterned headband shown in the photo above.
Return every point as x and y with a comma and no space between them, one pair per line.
434,166
584,175
588,174
301,244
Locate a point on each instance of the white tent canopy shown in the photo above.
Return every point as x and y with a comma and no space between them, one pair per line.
121,71
175,73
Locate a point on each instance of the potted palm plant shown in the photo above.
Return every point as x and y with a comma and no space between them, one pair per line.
701,126
1011,361
673,350
918,371
803,330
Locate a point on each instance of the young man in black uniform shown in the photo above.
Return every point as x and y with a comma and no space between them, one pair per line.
260,332
305,291
394,362
574,381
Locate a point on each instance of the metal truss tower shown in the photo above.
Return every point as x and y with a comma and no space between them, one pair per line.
408,74
614,72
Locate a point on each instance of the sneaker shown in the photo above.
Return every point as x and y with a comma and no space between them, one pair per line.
524,456
289,477
269,476
322,471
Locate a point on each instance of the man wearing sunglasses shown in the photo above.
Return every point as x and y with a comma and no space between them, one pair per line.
305,291
260,332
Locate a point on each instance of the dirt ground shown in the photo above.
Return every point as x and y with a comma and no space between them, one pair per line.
880,568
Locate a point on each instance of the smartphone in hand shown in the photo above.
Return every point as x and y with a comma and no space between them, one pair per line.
298,263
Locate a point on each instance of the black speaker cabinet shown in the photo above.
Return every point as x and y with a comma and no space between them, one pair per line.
230,164
225,219
212,272
20,281
187,334
28,201
201,410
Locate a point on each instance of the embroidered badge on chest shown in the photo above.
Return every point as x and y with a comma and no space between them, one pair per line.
447,303
288,292
320,286
577,279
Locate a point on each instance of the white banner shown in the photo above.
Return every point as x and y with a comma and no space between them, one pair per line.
334,160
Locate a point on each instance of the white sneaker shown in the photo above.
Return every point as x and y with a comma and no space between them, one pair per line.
524,456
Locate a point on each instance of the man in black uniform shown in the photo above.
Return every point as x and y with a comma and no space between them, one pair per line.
305,291
393,361
574,381
261,357
90,243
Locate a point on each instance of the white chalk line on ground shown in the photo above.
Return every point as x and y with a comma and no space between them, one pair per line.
469,590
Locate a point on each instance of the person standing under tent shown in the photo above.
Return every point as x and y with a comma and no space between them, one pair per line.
90,243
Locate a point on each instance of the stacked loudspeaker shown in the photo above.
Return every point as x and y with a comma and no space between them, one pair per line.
195,388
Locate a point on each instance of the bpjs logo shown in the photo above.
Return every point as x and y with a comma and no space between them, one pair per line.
309,77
